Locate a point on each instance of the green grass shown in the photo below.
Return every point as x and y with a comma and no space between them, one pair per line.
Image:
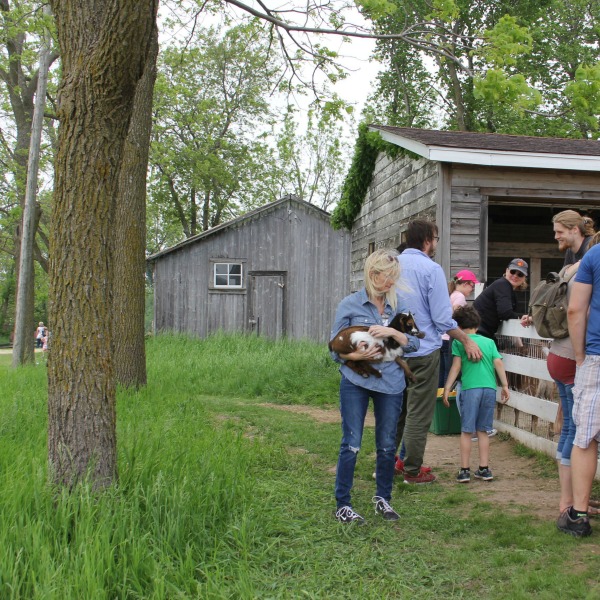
220,496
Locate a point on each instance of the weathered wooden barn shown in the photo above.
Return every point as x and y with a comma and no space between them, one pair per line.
279,270
493,197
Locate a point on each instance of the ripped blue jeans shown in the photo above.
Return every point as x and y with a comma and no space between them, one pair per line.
354,401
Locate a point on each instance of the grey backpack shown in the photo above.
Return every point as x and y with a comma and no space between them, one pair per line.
548,305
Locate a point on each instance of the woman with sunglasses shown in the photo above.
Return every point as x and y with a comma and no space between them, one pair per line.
498,301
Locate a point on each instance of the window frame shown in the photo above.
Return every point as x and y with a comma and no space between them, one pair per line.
215,262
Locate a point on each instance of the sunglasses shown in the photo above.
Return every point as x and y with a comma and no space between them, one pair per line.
517,273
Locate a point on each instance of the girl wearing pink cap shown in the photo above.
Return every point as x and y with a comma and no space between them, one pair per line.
460,287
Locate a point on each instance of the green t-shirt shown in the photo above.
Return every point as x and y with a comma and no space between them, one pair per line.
479,374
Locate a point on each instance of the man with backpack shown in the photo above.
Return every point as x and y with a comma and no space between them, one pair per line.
573,233
548,310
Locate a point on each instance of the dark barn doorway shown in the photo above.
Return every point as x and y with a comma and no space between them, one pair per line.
524,230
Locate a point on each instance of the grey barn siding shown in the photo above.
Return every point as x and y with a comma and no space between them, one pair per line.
492,197
457,197
295,271
402,190
465,233
405,189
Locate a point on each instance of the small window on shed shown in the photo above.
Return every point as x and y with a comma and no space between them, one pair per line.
228,275
371,248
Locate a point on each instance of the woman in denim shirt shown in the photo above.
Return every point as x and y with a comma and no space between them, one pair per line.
374,306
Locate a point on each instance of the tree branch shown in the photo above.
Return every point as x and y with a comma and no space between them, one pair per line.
408,35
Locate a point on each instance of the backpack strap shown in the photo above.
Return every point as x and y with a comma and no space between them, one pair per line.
567,278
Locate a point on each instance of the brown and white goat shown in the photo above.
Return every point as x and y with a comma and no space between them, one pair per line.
350,338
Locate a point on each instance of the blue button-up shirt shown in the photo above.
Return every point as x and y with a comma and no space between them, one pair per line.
427,298
357,309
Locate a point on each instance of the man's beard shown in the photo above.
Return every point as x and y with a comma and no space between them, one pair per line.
563,246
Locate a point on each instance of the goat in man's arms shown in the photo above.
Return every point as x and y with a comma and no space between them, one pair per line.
352,338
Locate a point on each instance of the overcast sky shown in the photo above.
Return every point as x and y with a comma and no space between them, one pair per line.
362,72
355,53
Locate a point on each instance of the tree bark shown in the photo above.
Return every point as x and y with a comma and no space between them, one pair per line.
104,44
129,305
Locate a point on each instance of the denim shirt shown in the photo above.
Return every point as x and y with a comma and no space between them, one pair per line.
427,298
357,309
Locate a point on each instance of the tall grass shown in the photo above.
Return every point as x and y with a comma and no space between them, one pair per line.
220,496
249,366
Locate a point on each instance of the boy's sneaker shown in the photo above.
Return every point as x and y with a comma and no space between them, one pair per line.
420,478
383,508
484,474
345,514
491,433
463,476
578,527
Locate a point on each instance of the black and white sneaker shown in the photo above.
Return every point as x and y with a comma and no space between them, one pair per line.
464,476
484,474
383,508
345,514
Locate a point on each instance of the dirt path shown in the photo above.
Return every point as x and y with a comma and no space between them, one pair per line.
515,484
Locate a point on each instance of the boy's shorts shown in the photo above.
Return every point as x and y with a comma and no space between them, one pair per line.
477,407
586,402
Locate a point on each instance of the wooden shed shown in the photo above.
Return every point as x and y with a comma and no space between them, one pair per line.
279,270
492,196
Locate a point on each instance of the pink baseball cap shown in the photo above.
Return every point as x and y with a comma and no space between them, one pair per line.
466,275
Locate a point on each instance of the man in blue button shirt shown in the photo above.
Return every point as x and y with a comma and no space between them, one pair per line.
429,302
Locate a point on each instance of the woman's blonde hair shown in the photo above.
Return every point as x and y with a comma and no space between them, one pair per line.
595,239
384,261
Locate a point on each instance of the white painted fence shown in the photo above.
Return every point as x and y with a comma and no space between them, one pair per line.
525,416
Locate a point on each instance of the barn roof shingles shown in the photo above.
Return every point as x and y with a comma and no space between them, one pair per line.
495,141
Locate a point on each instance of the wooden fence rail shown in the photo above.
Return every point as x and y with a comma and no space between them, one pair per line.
528,416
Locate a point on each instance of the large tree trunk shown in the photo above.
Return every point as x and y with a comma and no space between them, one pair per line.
129,305
103,44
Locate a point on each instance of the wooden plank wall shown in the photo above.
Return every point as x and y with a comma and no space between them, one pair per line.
401,190
465,231
291,239
576,187
457,197
318,276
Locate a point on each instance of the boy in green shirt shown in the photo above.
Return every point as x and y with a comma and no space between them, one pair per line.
478,394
